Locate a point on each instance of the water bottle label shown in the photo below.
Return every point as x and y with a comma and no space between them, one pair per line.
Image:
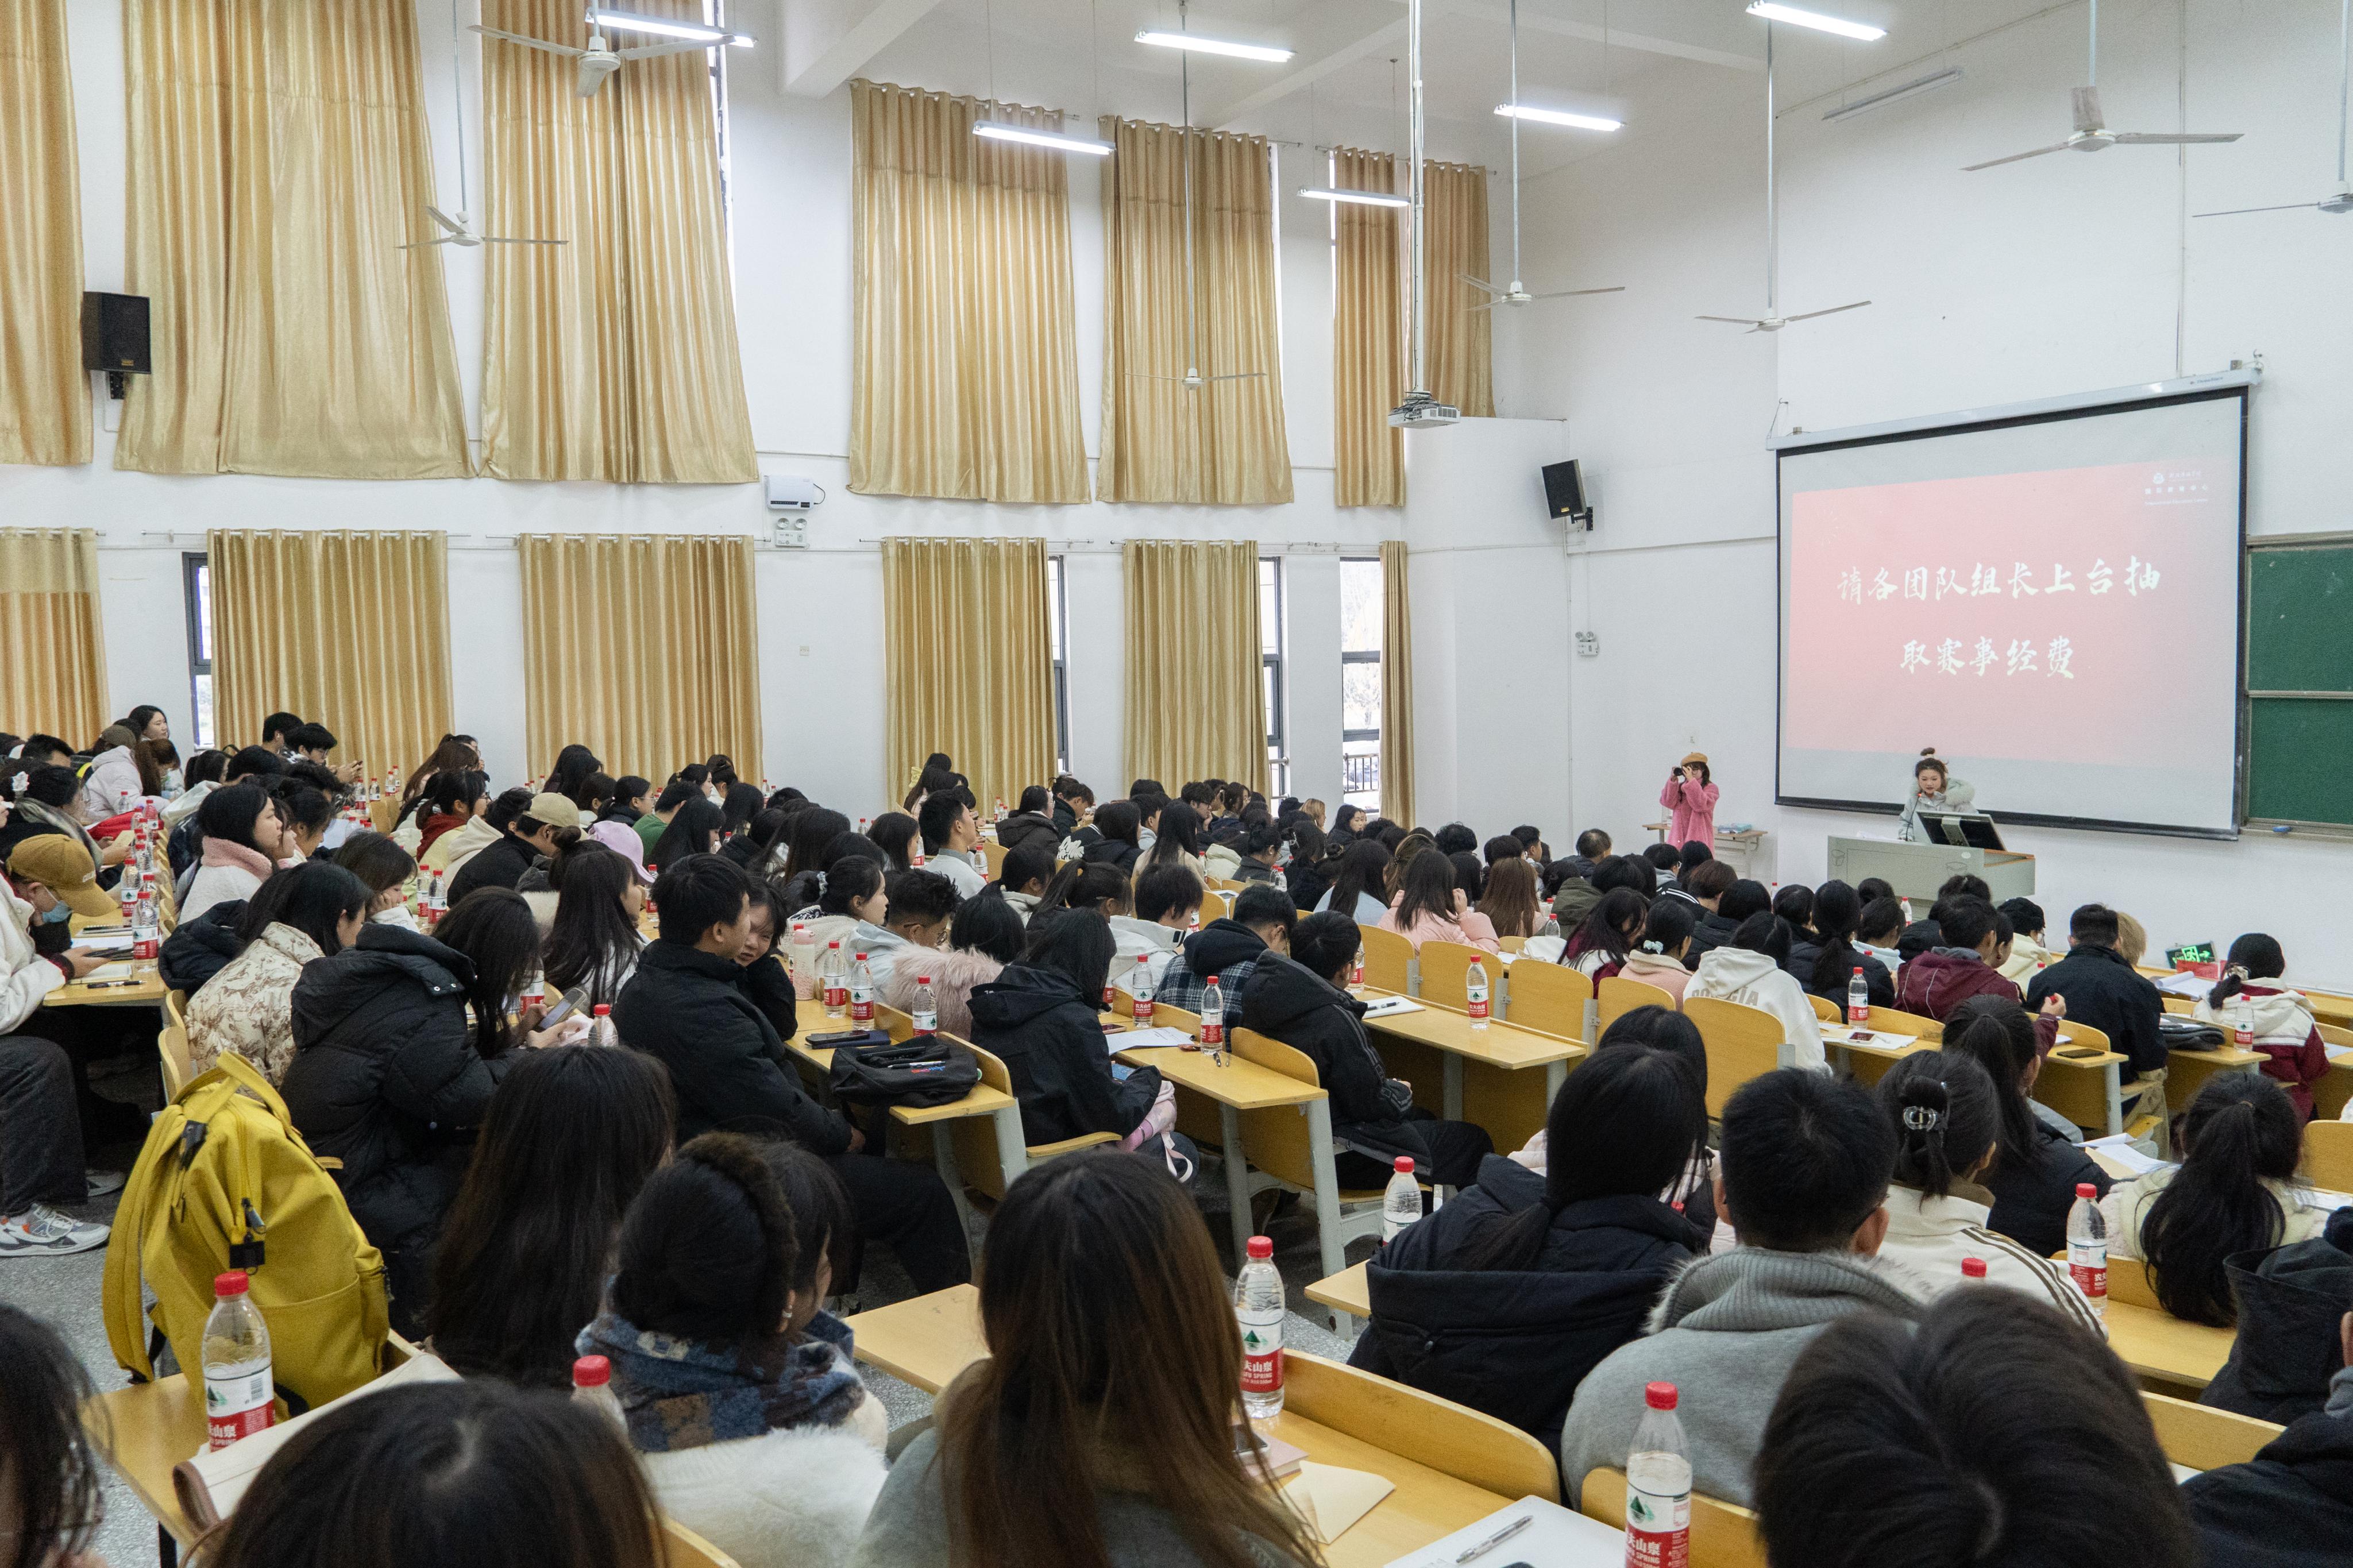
1141,1007
1477,996
1658,1529
1261,1348
861,1005
927,1021
1213,1031
237,1402
1857,1012
2088,1265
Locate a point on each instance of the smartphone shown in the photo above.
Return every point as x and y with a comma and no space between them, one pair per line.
834,1038
571,1001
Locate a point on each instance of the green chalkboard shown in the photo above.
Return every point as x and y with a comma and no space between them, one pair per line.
2300,748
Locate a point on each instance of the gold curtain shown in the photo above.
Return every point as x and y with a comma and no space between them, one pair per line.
971,661
645,648
351,629
44,396
1222,442
1368,348
277,158
965,360
1397,687
1196,690
53,680
1462,354
613,356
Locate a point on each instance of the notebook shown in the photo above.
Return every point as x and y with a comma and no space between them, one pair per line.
1390,1007
210,1485
1142,1039
1555,1538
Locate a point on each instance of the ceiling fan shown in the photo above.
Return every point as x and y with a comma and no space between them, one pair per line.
461,230
600,59
2092,132
1772,320
1517,294
2342,202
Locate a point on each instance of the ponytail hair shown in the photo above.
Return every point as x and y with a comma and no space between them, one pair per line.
1625,1124
1943,1107
1998,1035
2254,956
1838,911
708,1250
2240,1131
1095,886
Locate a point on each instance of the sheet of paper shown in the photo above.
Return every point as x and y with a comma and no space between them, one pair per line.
2182,983
1554,1537
1140,1039
1390,1007
2336,1051
102,936
1331,1498
2116,1153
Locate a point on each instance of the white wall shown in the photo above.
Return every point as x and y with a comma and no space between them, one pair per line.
2053,275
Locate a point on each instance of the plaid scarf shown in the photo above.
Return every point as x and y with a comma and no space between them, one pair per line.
682,1393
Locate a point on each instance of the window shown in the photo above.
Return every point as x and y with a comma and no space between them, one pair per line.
1362,610
196,585
1270,634
1057,629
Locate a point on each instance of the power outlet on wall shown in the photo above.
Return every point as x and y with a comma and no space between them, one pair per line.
1589,646
792,533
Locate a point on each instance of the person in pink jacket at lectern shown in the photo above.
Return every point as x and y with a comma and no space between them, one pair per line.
1691,795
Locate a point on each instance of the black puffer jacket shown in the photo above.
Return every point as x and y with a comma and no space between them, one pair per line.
2108,994
1118,854
499,865
1516,1342
1713,930
1289,1002
1309,881
724,1045
386,1079
201,948
1022,826
2282,1508
2291,1301
2031,1202
1048,1036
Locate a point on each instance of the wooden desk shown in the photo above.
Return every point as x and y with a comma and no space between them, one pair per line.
1488,1090
928,1341
147,990
2160,1348
143,1431
1349,1292
2187,1072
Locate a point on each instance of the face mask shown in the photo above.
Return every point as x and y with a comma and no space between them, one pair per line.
57,914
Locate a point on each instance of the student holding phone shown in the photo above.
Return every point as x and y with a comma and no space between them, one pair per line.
50,879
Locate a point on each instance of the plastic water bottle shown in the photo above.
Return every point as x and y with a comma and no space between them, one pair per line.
600,1027
146,933
834,979
1973,1269
1858,1000
437,902
800,953
1139,991
534,990
2242,1021
2087,1247
861,994
237,1387
1474,989
592,1386
1357,972
1658,1486
915,853
1258,1307
1213,1017
1000,810
1401,1202
926,1012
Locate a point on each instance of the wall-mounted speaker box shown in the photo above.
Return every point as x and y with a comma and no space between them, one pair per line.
114,333
1564,491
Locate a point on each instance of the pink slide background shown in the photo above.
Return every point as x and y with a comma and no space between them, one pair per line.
2132,651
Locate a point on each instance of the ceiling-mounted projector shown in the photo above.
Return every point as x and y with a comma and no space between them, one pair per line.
1419,408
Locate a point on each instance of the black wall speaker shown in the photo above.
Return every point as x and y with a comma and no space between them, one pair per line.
1564,491
114,333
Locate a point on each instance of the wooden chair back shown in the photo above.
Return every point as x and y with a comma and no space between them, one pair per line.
1511,944
1723,1534
175,1008
1448,1438
2074,1081
1275,1140
171,1044
2330,1095
2128,1282
1618,996
1551,998
974,1137
681,1548
2200,1437
1220,885
1446,975
993,853
1828,1011
2329,1154
1389,959
1742,1043
1890,1021
1168,1016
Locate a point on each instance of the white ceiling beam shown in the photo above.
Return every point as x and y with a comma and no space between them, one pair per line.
1727,39
827,42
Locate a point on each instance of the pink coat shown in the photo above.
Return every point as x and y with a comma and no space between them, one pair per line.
1473,928
1693,805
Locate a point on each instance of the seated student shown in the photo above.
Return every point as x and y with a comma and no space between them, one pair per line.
1358,887
895,832
1802,1179
1302,1001
2132,940
1836,914
1655,957
2280,1018
1095,888
737,1390
384,867
1506,1298
1314,859
455,825
918,906
244,842
1178,842
1470,876
1023,873
1227,949
1510,902
1989,1435
2243,1512
1668,1033
1961,965
300,915
311,743
594,942
49,879
1502,848
631,799
710,1002
1168,898
2103,992
307,811
390,1076
755,847
52,1507
855,902
1591,845
2233,1193
1749,972
546,826
675,792
694,829
1073,803
985,935
2291,1303
1728,899
1038,1018
2037,1163
1795,904
950,829
1029,819
1099,1429
1429,907
1946,1118
1664,861
1249,856
1600,946
1877,931
1455,839
2027,954
1346,822
570,1138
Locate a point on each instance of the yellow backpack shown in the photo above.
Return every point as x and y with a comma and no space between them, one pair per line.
225,1181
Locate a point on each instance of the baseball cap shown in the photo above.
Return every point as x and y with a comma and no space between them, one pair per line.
1689,758
623,841
555,810
60,863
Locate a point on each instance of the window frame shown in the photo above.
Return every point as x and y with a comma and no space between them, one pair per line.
1058,642
1349,656
196,599
1278,760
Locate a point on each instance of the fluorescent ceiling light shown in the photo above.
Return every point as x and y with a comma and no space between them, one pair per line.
1930,83
1557,117
1363,198
1816,20
1202,46
668,27
997,131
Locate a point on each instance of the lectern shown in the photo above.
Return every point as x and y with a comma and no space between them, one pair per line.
1916,871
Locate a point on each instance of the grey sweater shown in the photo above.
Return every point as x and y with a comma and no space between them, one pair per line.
1726,1334
909,1526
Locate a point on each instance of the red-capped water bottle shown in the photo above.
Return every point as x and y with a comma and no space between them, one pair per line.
1400,1202
1258,1309
1474,990
592,1386
146,930
861,994
835,978
1658,1485
1139,991
600,1027
2087,1247
2242,1021
1973,1269
1858,1000
1356,971
926,1014
1213,1017
238,1384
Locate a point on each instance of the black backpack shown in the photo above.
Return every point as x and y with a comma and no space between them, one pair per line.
922,1071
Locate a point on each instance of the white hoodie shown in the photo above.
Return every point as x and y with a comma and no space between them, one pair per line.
112,778
1157,945
2282,1019
1754,979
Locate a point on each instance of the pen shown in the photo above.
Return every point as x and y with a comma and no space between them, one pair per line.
1497,1539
